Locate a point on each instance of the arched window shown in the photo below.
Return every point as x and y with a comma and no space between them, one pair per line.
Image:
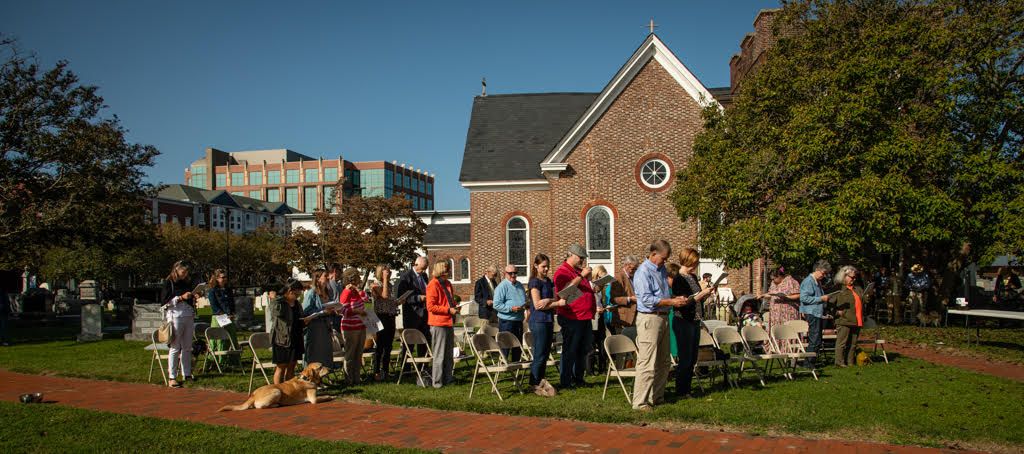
464,269
599,234
517,244
451,269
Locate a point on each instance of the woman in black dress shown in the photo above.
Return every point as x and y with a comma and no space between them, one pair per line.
287,331
685,324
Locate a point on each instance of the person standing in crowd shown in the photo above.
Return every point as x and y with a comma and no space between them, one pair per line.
850,315
414,307
353,331
441,311
621,295
685,320
5,313
319,347
1006,286
652,337
334,289
786,307
812,302
222,302
483,293
575,317
386,308
286,334
598,327
510,303
541,318
919,283
179,305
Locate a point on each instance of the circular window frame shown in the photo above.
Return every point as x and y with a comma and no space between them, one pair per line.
638,172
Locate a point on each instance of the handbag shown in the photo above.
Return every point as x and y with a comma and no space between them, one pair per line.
165,333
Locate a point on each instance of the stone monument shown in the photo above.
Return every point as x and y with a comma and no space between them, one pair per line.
92,312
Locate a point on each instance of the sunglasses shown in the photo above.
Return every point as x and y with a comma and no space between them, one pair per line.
510,273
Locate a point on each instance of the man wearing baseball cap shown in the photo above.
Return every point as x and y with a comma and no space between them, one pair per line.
574,318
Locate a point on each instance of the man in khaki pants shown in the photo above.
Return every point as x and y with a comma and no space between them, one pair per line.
653,349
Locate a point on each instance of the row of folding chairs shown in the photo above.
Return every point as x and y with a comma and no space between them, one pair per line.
161,353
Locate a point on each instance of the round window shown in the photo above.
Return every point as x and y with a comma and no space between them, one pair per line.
654,173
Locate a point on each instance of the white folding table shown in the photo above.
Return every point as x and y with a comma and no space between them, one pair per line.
990,313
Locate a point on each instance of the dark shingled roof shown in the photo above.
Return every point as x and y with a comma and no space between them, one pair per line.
447,234
509,135
722,94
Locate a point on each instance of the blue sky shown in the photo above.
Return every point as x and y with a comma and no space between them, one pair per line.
367,80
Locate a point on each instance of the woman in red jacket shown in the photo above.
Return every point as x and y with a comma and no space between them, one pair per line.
441,312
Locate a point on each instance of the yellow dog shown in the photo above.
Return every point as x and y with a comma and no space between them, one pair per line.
300,389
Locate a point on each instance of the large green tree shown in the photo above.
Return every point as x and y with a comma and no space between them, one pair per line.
873,127
68,176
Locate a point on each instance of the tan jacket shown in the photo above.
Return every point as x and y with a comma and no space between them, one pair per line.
621,291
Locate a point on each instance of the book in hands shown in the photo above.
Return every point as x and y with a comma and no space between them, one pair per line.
604,280
405,296
721,277
570,293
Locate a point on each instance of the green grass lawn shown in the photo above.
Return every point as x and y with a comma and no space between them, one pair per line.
53,428
1002,344
906,402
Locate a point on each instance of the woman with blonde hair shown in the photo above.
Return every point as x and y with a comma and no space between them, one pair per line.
319,347
179,306
849,315
386,308
441,312
685,324
597,325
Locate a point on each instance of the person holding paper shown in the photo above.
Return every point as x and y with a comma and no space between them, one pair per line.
784,292
654,299
353,332
541,317
386,308
319,347
685,323
414,308
623,298
286,335
575,317
441,312
179,305
510,304
222,304
483,293
849,316
812,301
598,327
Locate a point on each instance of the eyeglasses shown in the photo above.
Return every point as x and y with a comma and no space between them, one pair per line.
510,273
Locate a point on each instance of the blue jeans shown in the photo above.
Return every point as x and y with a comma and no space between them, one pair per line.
516,328
814,327
543,333
576,344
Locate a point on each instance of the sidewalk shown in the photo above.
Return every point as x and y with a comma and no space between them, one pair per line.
971,363
409,427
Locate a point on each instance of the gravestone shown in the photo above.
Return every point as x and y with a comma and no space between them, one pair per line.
244,311
146,318
92,313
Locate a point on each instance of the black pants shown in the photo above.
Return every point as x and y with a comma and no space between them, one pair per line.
382,354
576,344
687,339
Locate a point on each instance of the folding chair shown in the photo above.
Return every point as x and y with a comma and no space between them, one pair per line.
469,326
410,338
338,358
528,349
618,344
760,347
729,340
712,325
788,342
158,357
489,330
508,341
706,341
490,360
259,342
877,342
221,334
199,330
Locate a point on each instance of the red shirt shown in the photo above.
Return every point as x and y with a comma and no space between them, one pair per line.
351,301
584,307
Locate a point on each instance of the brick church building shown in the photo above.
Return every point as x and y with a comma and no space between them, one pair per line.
547,170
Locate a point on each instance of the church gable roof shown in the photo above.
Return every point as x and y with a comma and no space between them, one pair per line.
509,135
652,48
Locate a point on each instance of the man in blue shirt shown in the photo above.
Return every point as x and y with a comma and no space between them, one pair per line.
812,305
653,300
510,303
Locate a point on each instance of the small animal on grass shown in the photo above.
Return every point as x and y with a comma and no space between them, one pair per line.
931,318
298,390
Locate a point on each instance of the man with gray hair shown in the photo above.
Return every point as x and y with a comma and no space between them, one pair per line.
812,302
483,293
623,298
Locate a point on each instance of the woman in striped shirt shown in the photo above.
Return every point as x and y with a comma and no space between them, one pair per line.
353,332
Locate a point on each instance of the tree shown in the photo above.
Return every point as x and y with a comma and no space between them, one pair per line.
67,174
871,128
368,231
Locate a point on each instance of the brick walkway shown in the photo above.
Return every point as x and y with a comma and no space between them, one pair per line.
971,363
408,427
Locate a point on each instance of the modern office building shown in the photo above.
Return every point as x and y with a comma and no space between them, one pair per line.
306,183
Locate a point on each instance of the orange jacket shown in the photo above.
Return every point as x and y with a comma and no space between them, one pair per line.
438,304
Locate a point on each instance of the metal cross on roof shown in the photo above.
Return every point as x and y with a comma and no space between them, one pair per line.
652,25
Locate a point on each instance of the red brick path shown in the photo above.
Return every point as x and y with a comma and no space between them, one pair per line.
971,363
407,427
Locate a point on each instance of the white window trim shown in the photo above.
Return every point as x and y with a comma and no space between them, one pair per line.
469,270
611,232
668,173
508,259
